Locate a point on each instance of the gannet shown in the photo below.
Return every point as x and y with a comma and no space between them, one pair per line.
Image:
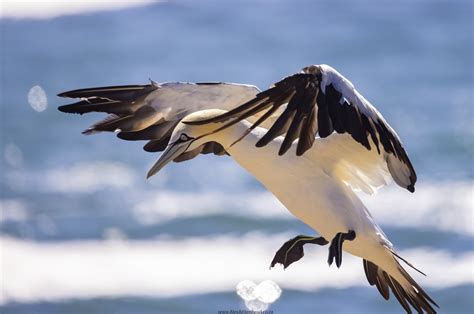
311,139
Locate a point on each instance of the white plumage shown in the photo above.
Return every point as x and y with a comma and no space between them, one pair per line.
318,140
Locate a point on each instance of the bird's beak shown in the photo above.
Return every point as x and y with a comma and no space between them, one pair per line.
172,151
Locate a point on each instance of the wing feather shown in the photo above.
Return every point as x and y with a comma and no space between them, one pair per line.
323,93
151,112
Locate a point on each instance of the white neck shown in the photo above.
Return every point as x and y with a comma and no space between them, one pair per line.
229,135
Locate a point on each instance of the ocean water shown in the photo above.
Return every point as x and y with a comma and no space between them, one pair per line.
82,231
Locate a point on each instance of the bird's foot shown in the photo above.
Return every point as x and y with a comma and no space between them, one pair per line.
292,250
335,249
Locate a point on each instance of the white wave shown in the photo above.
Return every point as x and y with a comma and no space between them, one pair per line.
163,267
87,177
44,9
160,206
80,178
444,206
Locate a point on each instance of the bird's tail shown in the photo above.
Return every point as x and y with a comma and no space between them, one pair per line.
402,285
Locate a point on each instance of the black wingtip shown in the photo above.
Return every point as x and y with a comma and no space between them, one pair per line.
70,109
301,150
66,94
260,143
89,131
411,188
62,109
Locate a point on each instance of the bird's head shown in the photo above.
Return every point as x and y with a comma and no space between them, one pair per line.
187,137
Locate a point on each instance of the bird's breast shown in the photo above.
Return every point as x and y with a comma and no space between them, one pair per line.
299,183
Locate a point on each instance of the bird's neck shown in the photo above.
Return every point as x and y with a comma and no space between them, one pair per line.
240,144
231,136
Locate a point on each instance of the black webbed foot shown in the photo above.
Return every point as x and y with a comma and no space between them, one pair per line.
292,250
335,249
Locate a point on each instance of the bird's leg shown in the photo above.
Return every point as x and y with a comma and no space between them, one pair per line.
292,250
335,249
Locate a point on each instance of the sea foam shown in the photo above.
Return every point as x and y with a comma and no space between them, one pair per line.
167,267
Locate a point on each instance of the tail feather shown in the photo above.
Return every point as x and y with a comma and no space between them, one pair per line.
407,262
398,291
408,293
371,272
417,287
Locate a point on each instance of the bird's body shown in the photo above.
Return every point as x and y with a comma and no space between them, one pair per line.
311,140
309,187
303,184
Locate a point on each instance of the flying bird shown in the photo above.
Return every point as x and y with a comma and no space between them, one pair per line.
311,139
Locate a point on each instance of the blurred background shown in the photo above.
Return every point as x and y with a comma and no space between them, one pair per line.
81,230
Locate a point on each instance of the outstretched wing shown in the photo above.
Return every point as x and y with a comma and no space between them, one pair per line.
151,112
319,101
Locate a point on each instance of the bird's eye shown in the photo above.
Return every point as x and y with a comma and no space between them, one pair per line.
183,137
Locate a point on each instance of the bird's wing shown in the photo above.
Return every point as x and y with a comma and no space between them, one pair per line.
151,112
320,102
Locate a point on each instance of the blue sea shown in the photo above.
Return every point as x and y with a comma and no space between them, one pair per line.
83,231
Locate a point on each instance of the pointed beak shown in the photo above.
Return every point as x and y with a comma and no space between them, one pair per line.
171,152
